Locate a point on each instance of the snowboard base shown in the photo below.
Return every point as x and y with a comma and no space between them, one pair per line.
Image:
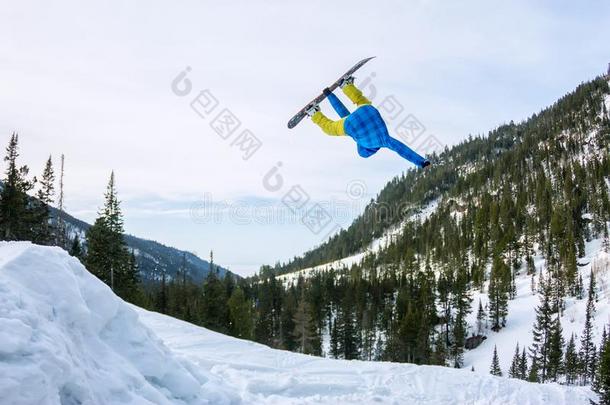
298,117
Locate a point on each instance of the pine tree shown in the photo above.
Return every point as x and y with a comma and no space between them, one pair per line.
495,364
214,310
587,347
602,376
98,250
579,288
263,329
604,338
572,369
461,302
76,249
349,337
15,216
334,340
130,280
181,290
107,254
555,353
161,296
439,357
112,210
514,371
523,365
606,240
379,349
529,264
534,372
499,285
303,327
287,325
457,344
42,232
240,314
443,287
533,284
481,317
368,335
542,330
60,237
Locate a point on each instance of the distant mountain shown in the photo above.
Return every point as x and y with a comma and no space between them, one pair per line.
153,257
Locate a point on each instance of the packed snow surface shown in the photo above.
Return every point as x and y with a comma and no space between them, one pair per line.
266,376
65,338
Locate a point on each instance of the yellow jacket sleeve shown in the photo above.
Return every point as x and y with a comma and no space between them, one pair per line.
330,127
355,95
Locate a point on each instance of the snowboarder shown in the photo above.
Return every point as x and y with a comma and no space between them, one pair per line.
364,125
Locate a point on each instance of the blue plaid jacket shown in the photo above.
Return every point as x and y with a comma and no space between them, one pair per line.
366,126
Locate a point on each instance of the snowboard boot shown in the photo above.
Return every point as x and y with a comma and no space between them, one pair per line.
425,164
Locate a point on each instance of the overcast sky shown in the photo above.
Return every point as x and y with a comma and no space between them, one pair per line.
94,81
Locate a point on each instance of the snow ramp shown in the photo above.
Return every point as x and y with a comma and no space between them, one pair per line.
65,338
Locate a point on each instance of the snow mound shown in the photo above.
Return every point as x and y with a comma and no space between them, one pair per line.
267,376
65,338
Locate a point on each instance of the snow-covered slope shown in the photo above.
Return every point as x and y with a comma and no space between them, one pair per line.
65,338
521,311
374,247
267,376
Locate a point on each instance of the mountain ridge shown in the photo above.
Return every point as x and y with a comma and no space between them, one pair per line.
407,193
154,258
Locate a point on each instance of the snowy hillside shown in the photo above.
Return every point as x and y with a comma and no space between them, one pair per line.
521,309
67,339
521,315
374,247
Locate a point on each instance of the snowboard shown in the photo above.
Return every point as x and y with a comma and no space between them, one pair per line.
303,112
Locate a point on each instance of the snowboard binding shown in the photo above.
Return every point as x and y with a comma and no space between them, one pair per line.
312,109
346,80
